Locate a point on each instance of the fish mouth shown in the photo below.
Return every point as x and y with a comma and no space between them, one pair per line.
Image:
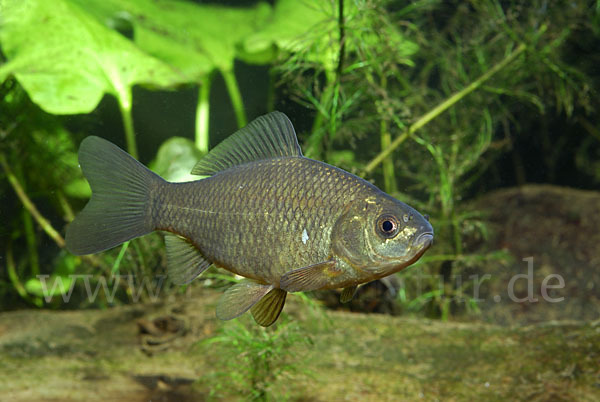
424,240
420,245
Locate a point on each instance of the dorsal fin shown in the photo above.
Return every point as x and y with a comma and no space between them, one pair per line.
268,136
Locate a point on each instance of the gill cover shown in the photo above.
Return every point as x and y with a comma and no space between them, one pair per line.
378,235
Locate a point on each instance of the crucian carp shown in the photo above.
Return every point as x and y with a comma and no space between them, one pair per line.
284,222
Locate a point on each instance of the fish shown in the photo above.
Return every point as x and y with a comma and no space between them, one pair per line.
283,222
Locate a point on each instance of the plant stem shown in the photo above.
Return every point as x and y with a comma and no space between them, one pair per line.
341,27
458,250
271,91
14,278
442,107
333,120
125,108
235,96
34,261
67,210
331,92
140,255
324,110
389,177
43,222
117,263
12,273
202,114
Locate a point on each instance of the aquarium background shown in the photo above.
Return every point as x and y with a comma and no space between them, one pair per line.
481,114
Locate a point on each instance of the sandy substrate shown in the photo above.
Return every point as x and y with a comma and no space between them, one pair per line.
156,352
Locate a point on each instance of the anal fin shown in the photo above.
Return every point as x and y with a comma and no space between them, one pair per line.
347,294
240,298
184,261
267,310
313,277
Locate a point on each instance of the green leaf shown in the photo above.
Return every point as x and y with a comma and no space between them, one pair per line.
66,60
55,285
78,188
175,159
305,25
195,38
310,27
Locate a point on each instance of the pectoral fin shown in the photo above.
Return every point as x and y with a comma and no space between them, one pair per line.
184,260
313,277
347,294
267,310
240,298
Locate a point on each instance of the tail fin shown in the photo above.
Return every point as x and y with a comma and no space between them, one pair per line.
119,208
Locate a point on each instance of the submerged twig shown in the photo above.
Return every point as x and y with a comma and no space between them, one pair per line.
43,222
66,207
34,259
442,107
28,204
14,278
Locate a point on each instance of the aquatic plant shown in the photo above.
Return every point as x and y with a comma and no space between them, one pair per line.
77,51
446,94
250,359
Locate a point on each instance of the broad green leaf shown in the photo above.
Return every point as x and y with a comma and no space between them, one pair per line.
175,159
54,285
78,188
66,60
301,25
57,283
195,38
310,27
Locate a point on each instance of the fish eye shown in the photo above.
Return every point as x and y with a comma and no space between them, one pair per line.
387,226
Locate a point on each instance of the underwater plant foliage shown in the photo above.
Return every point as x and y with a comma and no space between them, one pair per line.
428,99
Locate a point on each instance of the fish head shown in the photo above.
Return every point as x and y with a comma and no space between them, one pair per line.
380,235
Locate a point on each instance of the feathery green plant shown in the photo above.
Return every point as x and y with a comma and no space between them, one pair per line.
457,75
253,358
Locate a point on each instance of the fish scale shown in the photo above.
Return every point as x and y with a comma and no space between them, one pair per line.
227,230
284,222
